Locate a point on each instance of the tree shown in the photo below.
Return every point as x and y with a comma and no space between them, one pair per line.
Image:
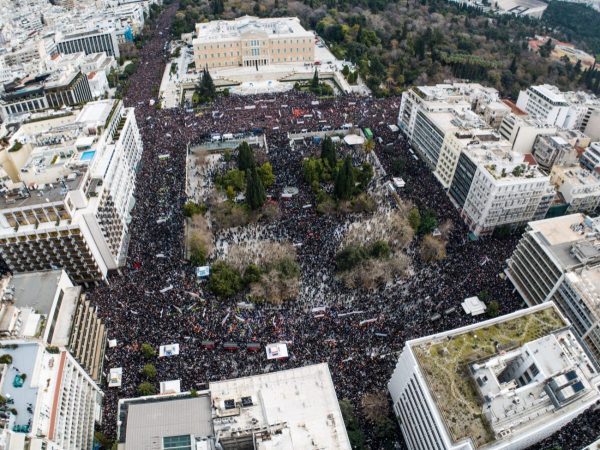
349,257
146,388
224,280
369,146
414,218
355,434
255,191
513,65
265,173
428,222
314,83
6,359
380,249
432,249
197,253
344,181
245,159
375,406
149,371
148,351
546,49
328,152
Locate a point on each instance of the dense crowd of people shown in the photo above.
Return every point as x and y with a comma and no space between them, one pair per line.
157,299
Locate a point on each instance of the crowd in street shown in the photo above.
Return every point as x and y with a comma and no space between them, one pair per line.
157,299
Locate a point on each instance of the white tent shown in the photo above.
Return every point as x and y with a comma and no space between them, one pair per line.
170,387
115,377
169,350
473,306
277,351
354,139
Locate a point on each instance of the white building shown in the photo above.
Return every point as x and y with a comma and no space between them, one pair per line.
295,408
545,103
591,157
578,186
557,259
493,186
569,110
560,148
56,403
505,383
68,191
89,41
522,131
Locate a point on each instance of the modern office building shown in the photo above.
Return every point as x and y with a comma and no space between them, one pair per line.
545,103
493,186
68,192
578,186
54,403
295,408
33,94
89,41
252,42
557,259
505,383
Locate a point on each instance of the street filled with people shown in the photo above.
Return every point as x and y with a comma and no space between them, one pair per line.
158,299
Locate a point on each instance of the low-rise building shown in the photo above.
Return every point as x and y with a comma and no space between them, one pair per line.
251,42
295,408
561,148
505,383
522,131
590,159
68,192
578,186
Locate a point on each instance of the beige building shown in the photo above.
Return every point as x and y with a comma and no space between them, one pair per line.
251,42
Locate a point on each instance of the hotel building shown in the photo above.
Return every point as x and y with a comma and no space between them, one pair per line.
68,191
252,42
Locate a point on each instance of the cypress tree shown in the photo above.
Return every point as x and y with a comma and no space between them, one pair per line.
245,159
255,191
328,152
344,181
314,84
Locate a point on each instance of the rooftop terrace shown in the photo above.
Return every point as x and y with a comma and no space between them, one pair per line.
444,360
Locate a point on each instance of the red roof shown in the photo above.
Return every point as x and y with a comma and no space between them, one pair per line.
529,159
514,108
91,75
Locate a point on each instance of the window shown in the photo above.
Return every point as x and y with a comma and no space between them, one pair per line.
177,443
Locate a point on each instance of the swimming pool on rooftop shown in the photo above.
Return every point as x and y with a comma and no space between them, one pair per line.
87,155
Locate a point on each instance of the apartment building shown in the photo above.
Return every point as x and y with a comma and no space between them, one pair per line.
524,376
578,186
54,404
522,131
89,41
68,192
493,186
46,307
33,94
568,110
545,103
590,159
265,414
252,42
557,259
559,149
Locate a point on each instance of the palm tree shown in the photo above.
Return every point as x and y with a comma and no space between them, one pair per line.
368,147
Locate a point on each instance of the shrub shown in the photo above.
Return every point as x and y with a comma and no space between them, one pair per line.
349,257
191,209
197,253
432,249
146,388
380,249
6,359
149,371
148,351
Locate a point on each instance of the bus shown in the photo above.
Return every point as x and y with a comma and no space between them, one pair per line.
368,133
